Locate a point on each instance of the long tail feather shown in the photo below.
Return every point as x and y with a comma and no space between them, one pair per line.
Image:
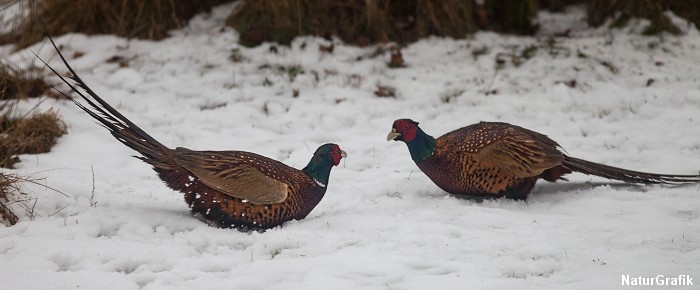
592,168
121,128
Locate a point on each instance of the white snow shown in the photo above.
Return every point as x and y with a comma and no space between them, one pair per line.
382,223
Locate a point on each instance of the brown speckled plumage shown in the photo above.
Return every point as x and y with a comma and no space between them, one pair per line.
229,211
228,188
499,159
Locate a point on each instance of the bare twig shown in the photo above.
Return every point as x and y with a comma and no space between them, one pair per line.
11,194
31,213
93,203
58,210
43,185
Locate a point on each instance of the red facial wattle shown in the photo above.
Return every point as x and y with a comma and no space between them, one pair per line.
336,155
409,134
406,129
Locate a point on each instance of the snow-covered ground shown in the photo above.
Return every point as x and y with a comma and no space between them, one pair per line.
609,97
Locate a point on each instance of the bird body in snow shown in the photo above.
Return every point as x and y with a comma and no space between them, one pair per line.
498,159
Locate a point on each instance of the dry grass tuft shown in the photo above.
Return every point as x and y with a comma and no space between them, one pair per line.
20,83
621,11
149,19
12,197
360,22
404,21
30,135
508,16
558,5
9,192
356,22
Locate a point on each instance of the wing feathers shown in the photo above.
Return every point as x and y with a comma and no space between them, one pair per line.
522,152
230,175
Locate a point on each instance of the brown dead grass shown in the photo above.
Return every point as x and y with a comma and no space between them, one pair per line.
508,16
558,5
404,21
359,22
20,83
355,22
149,19
30,135
9,192
621,11
21,135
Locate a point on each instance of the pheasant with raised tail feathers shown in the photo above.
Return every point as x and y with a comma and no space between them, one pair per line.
229,188
491,159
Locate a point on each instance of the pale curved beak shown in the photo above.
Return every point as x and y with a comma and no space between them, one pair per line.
392,135
343,154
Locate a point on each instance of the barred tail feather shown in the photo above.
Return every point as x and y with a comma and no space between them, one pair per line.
121,128
597,169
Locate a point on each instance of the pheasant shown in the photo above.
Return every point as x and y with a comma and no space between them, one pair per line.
492,159
234,189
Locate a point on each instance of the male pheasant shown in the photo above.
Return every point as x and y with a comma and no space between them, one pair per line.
491,159
234,189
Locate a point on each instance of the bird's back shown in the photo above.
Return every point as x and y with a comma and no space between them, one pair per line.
491,159
230,211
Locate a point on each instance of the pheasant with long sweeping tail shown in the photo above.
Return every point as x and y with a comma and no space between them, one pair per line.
229,188
502,160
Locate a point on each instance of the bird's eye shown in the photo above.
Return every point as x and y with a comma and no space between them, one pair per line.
405,127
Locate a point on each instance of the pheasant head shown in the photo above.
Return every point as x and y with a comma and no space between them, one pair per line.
325,157
420,145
